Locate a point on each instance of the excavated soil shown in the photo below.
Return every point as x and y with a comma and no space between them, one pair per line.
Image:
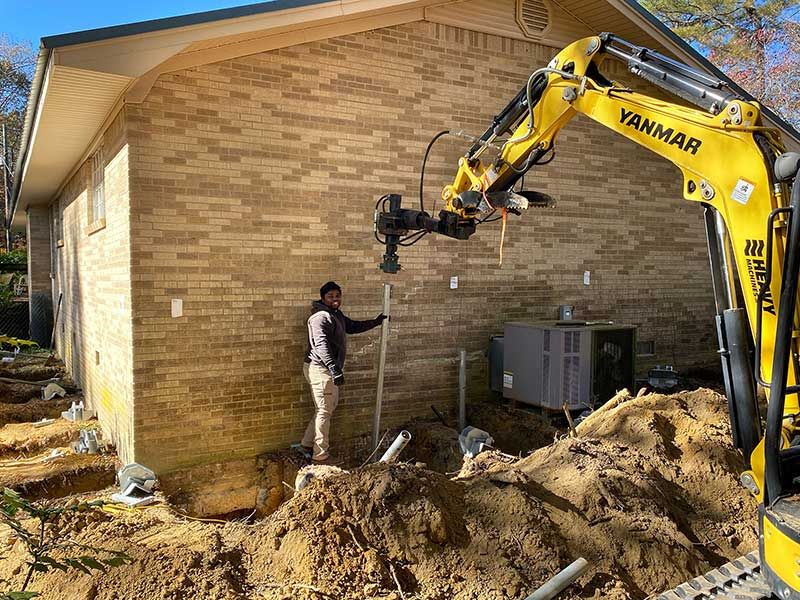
32,368
24,439
515,430
22,402
44,476
648,494
34,410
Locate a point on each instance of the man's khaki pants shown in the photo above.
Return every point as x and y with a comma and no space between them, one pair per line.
326,397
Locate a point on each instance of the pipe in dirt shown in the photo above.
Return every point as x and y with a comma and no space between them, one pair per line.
376,421
552,587
400,442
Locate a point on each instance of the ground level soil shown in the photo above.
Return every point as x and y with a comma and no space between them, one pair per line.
648,494
24,439
32,367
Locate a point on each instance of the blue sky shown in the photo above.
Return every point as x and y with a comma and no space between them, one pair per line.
28,21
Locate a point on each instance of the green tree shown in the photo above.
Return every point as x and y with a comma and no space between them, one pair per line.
755,42
17,61
34,525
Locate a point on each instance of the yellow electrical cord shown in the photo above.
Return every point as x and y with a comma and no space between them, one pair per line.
117,508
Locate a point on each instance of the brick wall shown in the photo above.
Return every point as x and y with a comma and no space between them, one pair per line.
93,272
39,290
254,181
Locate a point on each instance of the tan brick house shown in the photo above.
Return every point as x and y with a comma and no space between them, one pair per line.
231,160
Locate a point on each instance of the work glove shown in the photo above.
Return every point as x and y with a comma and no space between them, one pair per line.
338,379
381,318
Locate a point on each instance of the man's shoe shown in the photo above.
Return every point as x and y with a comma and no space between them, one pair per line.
304,450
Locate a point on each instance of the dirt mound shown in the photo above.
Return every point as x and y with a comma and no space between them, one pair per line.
387,527
24,439
515,430
174,558
435,445
18,393
32,368
55,476
648,494
35,410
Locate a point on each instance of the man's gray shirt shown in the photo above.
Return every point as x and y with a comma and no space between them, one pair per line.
327,336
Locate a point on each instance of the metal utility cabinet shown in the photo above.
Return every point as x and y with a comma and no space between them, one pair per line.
579,364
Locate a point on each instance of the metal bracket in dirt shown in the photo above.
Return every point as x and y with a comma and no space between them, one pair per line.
739,579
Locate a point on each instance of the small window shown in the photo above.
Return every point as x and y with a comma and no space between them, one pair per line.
98,199
646,348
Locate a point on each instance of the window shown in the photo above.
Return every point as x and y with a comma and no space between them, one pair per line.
98,200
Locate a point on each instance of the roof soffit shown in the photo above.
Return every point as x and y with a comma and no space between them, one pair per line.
96,74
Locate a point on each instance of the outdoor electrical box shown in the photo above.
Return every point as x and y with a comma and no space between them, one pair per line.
577,363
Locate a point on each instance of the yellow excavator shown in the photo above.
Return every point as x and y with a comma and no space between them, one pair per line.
738,169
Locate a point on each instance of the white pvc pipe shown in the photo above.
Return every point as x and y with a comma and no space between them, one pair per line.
560,580
376,421
396,448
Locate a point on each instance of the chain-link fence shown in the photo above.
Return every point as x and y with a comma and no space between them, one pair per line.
14,313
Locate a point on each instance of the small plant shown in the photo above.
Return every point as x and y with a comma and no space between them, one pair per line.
41,544
6,297
11,343
15,258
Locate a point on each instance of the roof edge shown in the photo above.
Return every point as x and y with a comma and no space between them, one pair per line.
115,31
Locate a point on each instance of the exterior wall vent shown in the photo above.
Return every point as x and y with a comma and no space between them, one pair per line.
533,17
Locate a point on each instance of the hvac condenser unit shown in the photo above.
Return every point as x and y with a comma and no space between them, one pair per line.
578,364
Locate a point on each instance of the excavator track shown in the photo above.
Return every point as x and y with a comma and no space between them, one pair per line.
739,579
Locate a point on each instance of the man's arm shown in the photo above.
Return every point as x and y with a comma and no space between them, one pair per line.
320,328
352,326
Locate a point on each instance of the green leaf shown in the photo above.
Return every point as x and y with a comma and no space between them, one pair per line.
51,562
76,564
19,595
117,561
92,563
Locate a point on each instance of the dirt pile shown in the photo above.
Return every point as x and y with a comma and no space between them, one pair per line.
22,402
32,367
515,430
25,439
648,494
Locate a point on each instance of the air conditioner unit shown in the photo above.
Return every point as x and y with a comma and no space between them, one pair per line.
576,363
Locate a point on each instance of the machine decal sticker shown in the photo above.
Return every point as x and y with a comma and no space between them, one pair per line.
508,379
657,130
757,270
743,190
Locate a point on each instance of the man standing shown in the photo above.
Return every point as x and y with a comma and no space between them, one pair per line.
324,363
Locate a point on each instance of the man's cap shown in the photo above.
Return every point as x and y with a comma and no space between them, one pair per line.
329,287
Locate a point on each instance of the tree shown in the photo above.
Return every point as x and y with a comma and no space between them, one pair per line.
35,525
17,61
755,42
